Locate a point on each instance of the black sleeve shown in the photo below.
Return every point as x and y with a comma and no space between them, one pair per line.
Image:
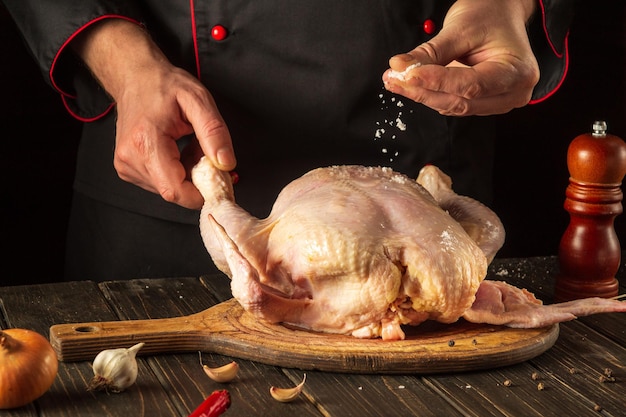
48,26
548,32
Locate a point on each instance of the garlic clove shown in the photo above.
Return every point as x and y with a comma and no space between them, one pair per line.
115,369
285,395
225,373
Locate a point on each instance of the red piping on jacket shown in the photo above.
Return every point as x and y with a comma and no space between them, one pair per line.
65,95
81,118
556,53
558,86
194,35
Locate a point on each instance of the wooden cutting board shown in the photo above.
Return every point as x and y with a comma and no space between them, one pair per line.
227,329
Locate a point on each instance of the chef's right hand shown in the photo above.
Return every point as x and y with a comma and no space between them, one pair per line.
157,104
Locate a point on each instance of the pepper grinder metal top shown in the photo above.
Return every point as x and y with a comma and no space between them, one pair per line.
589,252
598,129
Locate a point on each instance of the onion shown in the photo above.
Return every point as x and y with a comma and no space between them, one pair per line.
28,367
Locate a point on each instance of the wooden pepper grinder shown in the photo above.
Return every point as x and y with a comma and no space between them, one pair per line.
589,252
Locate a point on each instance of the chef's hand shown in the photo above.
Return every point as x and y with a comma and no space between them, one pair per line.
480,62
157,104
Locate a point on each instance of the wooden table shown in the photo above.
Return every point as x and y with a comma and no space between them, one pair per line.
175,384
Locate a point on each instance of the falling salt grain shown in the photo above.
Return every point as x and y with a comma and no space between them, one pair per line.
401,387
400,124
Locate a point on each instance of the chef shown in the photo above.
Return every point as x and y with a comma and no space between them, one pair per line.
269,91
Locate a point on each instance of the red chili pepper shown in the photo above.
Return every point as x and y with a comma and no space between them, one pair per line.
214,405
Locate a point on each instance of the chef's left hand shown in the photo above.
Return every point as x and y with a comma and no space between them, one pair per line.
480,62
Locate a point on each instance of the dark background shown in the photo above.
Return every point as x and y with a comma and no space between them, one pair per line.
39,140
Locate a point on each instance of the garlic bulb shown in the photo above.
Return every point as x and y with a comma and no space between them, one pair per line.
115,369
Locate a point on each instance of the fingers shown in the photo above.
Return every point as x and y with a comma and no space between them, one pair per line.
486,88
155,166
491,79
173,184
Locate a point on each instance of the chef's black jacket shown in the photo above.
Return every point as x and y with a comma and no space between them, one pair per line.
298,83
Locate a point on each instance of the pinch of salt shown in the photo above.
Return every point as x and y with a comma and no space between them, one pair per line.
402,75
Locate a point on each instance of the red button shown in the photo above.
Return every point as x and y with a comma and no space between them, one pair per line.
429,26
219,33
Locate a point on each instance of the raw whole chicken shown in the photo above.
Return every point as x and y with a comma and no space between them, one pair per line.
364,250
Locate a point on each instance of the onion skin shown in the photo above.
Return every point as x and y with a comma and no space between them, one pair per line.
28,367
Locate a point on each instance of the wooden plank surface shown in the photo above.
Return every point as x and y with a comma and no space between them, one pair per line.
173,385
586,346
37,308
182,374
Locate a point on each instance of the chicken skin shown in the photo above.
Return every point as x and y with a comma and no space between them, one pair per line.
360,251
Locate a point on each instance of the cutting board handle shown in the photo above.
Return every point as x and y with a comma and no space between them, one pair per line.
83,341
